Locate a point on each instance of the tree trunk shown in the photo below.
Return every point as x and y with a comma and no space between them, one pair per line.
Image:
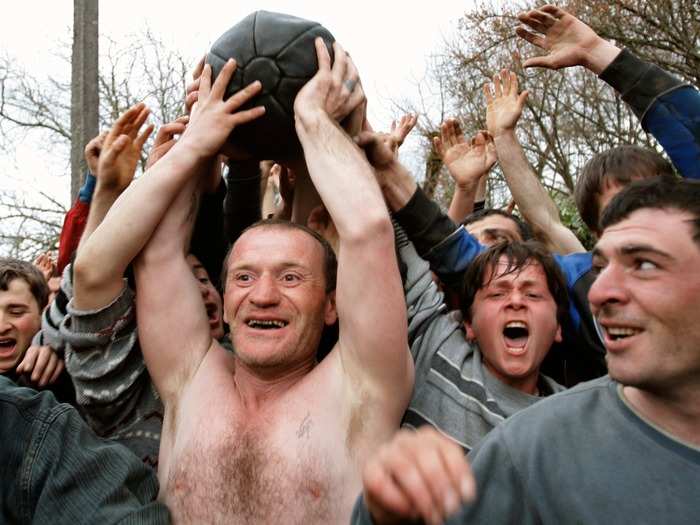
84,95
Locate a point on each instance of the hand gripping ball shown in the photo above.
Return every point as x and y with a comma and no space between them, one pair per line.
278,50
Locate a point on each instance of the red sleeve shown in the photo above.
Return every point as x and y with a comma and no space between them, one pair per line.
73,227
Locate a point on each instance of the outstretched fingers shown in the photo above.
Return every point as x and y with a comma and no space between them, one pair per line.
218,88
322,55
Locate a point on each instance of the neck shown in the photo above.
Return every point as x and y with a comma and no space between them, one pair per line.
258,386
527,384
678,413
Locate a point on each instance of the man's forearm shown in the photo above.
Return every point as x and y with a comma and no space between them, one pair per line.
127,227
462,203
341,174
398,186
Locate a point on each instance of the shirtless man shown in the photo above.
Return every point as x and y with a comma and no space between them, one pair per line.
267,434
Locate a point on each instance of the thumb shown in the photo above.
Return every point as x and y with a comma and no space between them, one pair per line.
545,61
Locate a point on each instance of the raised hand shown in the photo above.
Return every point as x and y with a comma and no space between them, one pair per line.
192,90
567,40
418,474
334,90
46,265
503,103
41,365
121,149
382,148
165,139
92,152
213,119
466,161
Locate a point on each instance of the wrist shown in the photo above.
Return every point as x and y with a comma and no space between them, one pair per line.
600,55
397,186
308,120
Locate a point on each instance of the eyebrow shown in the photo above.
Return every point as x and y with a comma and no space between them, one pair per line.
635,249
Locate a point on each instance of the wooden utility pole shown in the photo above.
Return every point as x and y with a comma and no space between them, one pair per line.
84,123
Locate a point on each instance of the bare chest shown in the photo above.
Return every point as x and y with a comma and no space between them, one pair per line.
290,465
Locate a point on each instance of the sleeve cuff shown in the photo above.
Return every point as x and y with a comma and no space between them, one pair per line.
102,320
639,82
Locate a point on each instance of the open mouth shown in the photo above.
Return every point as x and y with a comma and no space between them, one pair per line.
516,334
7,345
266,324
617,333
211,311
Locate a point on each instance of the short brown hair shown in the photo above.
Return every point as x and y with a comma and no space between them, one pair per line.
518,255
11,269
330,262
619,165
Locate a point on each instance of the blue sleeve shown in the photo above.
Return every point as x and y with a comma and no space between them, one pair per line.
674,120
667,107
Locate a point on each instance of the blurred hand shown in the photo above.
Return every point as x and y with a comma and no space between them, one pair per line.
416,475
121,150
165,139
41,365
92,152
46,265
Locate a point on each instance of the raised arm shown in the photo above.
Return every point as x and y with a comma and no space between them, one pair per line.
173,327
504,107
468,164
372,342
100,262
666,106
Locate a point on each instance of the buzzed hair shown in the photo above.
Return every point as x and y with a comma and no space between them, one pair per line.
11,269
330,262
523,228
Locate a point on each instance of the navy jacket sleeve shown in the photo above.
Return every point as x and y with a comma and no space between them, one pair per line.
667,107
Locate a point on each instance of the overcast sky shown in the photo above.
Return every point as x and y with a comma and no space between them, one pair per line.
389,40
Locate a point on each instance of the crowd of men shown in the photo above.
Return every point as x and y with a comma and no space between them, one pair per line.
235,340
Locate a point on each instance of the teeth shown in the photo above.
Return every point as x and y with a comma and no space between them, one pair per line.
618,331
516,324
256,323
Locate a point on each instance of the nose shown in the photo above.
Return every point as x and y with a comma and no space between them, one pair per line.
515,300
608,288
265,292
5,324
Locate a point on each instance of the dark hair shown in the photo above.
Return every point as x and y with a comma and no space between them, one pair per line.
664,194
523,228
330,263
518,255
619,165
11,269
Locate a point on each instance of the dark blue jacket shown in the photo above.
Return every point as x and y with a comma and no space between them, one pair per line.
55,470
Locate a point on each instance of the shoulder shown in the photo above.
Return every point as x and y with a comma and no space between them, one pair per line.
563,412
574,265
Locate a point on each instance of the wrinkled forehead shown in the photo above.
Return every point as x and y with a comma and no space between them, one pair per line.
667,230
277,244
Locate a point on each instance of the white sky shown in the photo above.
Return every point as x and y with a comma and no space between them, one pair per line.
390,42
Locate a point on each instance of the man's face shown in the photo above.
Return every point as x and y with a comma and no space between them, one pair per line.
20,320
514,322
275,300
211,297
647,299
493,229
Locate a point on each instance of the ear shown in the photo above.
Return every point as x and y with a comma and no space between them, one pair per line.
471,336
330,314
557,337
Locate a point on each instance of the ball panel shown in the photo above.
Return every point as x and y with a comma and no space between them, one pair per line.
274,31
298,58
266,71
287,91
